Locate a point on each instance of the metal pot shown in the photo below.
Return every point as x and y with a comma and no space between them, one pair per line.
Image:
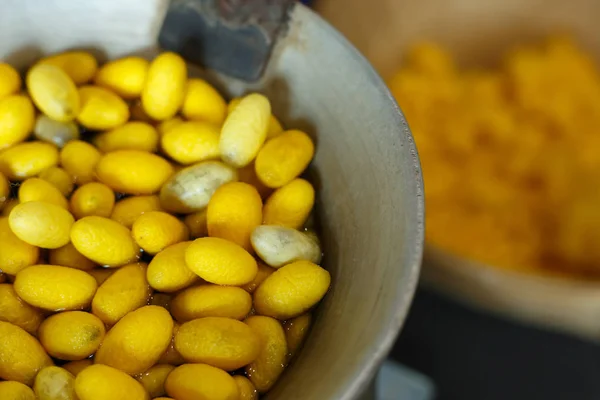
366,169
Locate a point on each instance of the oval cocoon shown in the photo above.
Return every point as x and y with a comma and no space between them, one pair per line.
245,130
54,383
221,342
14,344
10,80
104,241
93,198
79,159
291,290
272,358
290,205
190,189
101,109
13,390
201,381
164,91
211,301
155,230
220,261
71,335
16,118
203,102
14,310
81,66
233,212
15,254
122,292
126,76
133,171
98,382
134,135
168,271
191,142
137,341
55,288
41,224
284,158
36,189
53,92
278,245
28,159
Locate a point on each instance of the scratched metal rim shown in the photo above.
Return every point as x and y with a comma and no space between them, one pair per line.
377,352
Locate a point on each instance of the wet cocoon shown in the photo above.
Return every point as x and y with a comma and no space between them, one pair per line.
245,130
190,189
104,241
278,245
55,288
220,261
291,290
41,224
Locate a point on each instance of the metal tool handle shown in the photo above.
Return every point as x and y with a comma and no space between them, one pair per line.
234,37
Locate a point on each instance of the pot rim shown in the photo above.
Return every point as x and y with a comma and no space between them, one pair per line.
415,239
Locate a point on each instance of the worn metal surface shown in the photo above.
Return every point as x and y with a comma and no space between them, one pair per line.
366,170
231,36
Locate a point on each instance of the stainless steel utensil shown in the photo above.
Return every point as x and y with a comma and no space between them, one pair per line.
366,168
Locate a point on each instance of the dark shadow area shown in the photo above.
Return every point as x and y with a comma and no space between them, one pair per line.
473,356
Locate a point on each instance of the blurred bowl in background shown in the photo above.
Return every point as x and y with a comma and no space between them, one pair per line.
475,32
478,34
565,305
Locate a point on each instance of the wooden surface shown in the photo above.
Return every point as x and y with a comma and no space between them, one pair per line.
478,32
